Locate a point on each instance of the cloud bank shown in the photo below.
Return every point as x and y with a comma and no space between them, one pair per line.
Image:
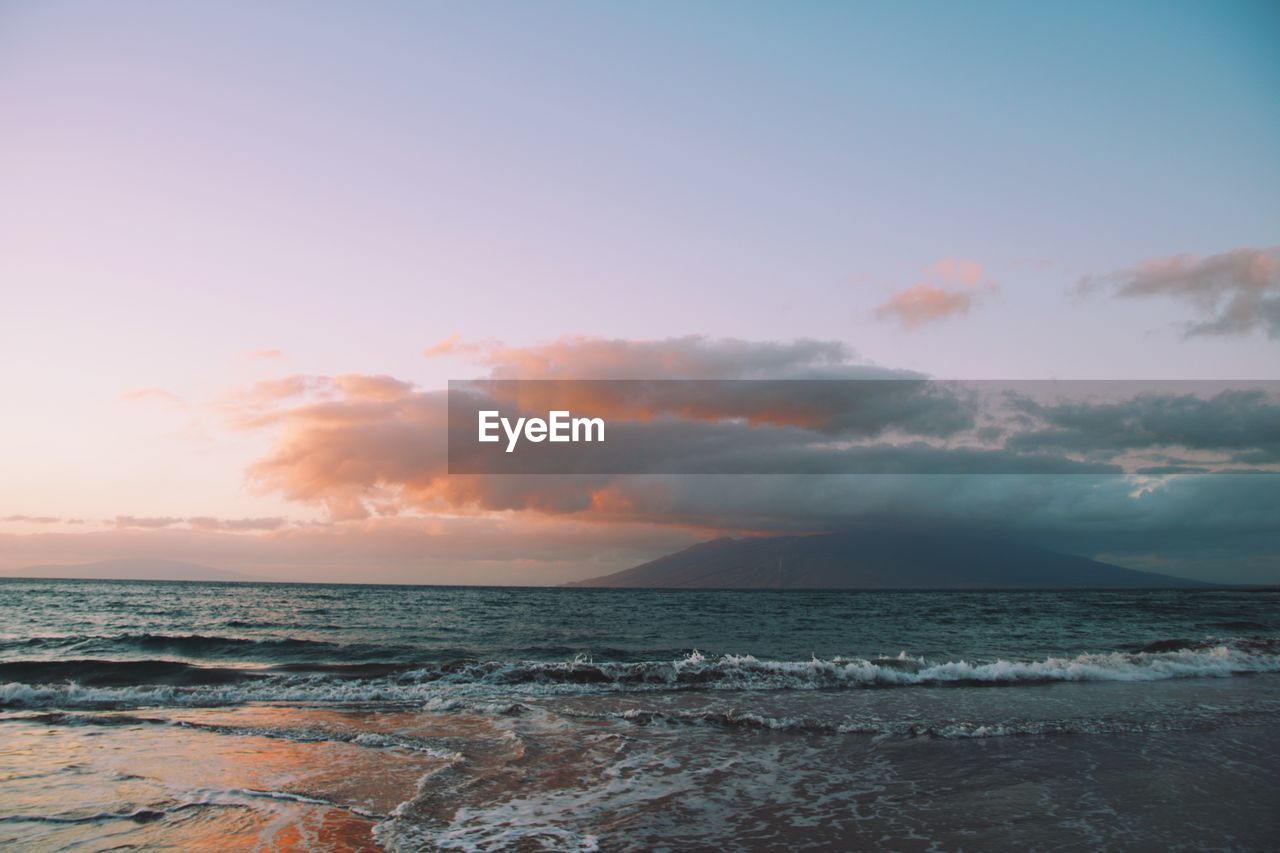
370,451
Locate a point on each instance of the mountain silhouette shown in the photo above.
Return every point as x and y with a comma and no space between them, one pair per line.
879,559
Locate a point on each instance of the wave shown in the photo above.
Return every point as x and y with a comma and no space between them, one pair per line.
121,673
132,683
1175,659
285,650
1241,625
138,816
296,652
946,729
186,645
216,798
1263,713
295,734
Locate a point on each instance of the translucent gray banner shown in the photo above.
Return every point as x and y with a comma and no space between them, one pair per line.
862,426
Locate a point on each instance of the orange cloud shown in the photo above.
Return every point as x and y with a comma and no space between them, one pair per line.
454,345
959,271
924,303
362,445
379,387
246,405
346,442
448,346
373,445
957,284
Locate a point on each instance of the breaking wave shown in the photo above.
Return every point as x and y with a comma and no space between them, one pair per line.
945,729
197,646
89,683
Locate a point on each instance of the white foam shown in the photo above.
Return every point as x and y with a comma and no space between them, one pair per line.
493,688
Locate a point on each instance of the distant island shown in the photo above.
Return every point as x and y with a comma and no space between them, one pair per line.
132,570
886,558
880,559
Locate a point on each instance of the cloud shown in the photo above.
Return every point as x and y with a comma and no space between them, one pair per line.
269,354
245,404
378,387
232,525
448,346
689,357
236,524
372,445
956,285
959,271
154,523
1244,423
32,519
1236,292
924,303
352,443
836,407
371,450
152,395
367,445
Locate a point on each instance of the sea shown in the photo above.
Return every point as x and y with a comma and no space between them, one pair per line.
186,716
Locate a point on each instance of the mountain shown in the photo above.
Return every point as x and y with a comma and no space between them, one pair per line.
129,569
879,559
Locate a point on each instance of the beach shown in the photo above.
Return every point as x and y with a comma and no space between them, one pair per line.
413,718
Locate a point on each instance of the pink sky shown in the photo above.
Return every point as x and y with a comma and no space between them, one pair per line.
207,207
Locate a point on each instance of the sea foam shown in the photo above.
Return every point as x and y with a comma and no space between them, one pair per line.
494,687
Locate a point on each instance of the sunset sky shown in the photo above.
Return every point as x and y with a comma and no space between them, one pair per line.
243,249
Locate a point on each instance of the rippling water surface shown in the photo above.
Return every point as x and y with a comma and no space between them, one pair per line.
349,717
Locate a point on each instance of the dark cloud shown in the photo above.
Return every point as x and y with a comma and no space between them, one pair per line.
848,407
1244,423
1179,520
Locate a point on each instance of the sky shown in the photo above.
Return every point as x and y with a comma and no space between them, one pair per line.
211,213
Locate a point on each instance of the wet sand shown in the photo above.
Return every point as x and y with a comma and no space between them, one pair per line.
588,773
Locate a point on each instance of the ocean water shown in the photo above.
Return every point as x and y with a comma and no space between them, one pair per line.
316,717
